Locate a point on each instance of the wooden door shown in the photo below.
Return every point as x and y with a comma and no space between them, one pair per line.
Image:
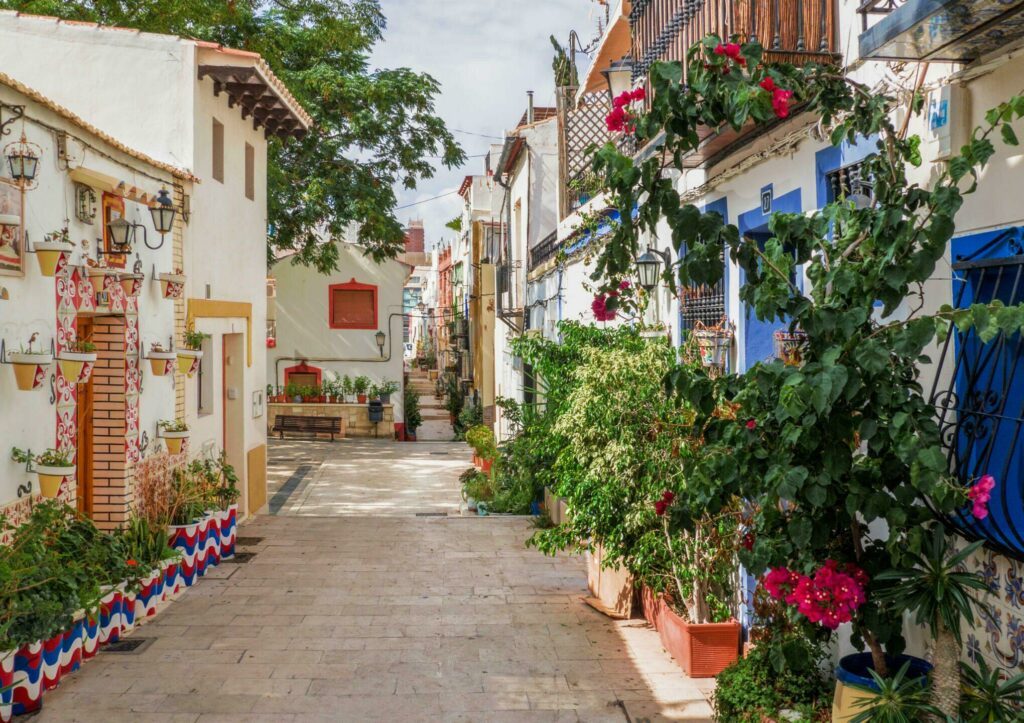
85,434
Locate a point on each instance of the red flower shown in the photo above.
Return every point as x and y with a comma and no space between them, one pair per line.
638,94
720,49
751,425
623,285
733,50
768,84
622,99
668,497
748,541
130,563
980,493
616,120
660,507
600,308
780,102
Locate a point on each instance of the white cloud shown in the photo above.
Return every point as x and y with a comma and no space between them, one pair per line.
486,54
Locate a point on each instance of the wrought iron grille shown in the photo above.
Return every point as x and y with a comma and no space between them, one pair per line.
848,181
545,250
704,304
978,394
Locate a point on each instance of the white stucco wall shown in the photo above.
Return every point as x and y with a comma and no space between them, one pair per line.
303,329
30,421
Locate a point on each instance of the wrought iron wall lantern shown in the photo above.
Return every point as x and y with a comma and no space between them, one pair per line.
123,235
163,212
23,161
380,337
648,267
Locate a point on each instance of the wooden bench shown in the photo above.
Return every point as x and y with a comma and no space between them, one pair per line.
310,425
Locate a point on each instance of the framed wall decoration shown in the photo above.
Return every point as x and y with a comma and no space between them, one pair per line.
113,208
12,229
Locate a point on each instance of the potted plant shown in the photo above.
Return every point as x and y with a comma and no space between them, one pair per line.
54,247
310,393
386,389
76,361
30,365
413,417
161,361
189,356
174,433
374,393
131,282
361,385
484,445
293,392
172,286
348,388
51,467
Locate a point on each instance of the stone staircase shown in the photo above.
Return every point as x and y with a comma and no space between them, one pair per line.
436,423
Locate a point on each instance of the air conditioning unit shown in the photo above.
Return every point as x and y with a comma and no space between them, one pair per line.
271,288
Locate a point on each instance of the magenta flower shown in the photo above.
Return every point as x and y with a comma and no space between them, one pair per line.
600,308
980,494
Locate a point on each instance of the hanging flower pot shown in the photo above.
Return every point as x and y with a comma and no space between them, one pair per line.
174,434
77,362
161,362
188,361
790,347
30,368
131,283
98,276
51,477
713,345
172,286
49,254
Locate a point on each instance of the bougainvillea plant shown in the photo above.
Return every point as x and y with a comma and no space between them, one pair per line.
837,455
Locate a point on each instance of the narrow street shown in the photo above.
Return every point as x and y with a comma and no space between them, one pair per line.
369,598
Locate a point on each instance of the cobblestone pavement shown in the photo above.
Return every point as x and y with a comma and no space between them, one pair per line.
391,618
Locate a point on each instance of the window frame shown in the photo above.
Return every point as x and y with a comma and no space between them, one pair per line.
217,151
250,172
351,285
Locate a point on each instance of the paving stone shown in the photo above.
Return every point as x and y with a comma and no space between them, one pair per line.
356,609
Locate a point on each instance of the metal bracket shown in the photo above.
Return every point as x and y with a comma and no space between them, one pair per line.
53,388
143,443
25,489
13,113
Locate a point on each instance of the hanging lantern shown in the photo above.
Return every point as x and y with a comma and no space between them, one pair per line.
23,160
619,77
120,235
163,213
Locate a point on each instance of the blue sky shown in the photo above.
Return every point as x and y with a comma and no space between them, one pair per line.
486,55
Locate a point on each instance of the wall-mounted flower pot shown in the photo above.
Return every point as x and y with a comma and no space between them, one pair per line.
30,369
131,284
76,366
98,277
188,361
172,286
702,651
852,678
175,441
162,363
50,478
49,255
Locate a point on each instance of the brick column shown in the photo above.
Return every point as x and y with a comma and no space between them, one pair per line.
112,495
178,249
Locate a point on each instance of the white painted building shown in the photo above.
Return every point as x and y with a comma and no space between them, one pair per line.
107,422
209,109
328,324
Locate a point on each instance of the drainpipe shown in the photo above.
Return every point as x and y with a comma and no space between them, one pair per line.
529,107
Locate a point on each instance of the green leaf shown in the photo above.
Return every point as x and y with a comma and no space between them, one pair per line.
1009,137
800,529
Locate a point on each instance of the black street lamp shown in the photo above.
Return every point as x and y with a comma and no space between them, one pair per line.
648,267
619,77
163,213
380,338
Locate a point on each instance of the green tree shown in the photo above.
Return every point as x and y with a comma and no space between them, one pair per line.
374,129
565,69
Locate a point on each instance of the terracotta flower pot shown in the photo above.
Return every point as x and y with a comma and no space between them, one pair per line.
701,650
98,277
651,603
29,369
361,398
50,478
75,366
49,255
131,284
161,362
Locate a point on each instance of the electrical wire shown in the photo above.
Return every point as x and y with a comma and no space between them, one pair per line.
426,200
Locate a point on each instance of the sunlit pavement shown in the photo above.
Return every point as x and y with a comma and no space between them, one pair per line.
363,603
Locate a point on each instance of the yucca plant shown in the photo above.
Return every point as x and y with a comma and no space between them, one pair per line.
988,698
899,699
940,593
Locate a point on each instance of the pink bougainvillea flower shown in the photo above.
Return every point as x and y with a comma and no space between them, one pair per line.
780,102
720,49
638,94
623,285
768,84
751,425
600,308
829,598
616,120
733,50
980,493
660,507
748,541
668,497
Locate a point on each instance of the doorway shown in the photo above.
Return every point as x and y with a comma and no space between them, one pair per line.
84,456
233,404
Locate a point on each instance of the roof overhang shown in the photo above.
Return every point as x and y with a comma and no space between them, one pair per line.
944,30
616,43
251,85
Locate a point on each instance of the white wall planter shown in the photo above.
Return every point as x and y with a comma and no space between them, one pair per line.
131,283
188,361
175,441
171,285
161,362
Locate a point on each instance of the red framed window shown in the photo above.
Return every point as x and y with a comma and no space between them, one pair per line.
303,375
352,305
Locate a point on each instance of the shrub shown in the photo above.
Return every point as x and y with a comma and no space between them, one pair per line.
411,403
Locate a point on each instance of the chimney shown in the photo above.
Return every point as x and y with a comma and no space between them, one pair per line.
529,107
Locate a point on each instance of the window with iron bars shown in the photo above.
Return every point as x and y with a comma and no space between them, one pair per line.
704,303
851,180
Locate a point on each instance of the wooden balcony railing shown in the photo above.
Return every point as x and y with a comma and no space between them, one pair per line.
795,31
